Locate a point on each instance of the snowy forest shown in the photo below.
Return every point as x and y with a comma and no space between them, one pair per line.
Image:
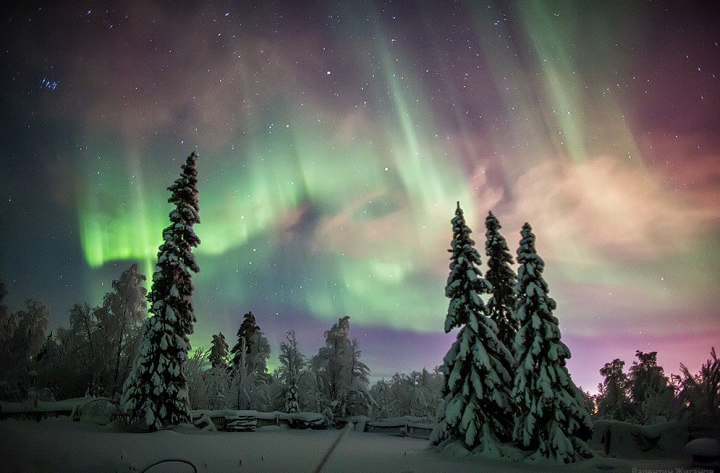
503,388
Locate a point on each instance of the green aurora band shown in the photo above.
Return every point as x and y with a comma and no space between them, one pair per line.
361,197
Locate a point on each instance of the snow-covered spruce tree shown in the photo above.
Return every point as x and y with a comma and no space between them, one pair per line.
219,351
699,394
476,409
156,392
554,422
613,400
333,356
340,376
250,380
650,389
502,278
252,344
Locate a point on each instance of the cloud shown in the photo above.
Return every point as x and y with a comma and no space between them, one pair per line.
688,165
620,248
371,225
600,211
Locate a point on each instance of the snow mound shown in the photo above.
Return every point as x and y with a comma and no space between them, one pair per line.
703,447
617,439
99,411
705,453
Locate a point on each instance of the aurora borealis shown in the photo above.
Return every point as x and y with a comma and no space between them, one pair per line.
335,139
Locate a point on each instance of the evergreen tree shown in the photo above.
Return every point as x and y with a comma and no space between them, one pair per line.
554,421
218,351
249,375
699,394
649,388
337,341
476,409
156,392
331,365
251,344
342,376
613,401
245,332
333,354
502,278
646,377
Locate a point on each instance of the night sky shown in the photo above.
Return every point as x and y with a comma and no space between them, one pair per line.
335,139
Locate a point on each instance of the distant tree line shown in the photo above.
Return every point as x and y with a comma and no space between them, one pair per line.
645,395
333,382
94,357
91,357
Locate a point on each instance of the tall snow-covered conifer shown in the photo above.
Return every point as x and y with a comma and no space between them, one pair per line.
476,409
156,393
252,345
554,422
218,351
501,276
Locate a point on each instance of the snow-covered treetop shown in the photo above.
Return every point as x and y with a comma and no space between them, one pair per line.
529,275
465,282
495,243
492,223
502,277
184,191
526,253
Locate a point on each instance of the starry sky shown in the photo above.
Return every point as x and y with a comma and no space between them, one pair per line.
335,139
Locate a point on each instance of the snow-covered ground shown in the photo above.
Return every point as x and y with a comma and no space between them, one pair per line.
61,445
